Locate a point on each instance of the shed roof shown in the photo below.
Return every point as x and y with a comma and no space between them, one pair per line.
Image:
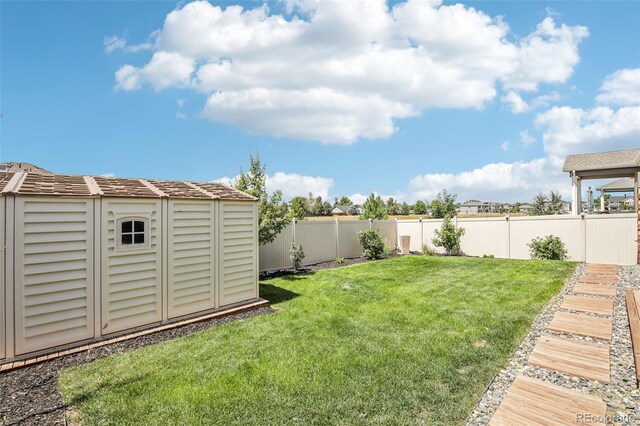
24,183
624,184
602,160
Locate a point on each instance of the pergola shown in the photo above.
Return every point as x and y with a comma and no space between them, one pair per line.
620,185
601,165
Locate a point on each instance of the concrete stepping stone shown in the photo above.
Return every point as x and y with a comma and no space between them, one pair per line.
587,304
595,289
534,402
581,359
581,325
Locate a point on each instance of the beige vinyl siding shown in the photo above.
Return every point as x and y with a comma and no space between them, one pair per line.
131,277
2,278
191,257
239,250
53,272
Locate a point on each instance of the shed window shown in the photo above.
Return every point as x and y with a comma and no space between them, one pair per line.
133,233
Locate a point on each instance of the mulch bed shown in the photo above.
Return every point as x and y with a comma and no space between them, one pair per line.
319,266
31,396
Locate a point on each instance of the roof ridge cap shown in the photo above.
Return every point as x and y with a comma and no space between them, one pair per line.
153,188
93,186
15,182
204,191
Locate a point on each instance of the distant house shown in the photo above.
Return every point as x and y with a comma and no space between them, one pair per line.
344,210
620,203
525,208
13,167
481,207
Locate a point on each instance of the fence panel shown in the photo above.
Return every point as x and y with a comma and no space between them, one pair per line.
413,229
429,227
610,238
348,243
570,229
318,239
485,236
387,229
275,255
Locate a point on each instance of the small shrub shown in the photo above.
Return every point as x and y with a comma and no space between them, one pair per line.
372,244
448,237
488,256
340,260
388,251
296,254
428,251
548,248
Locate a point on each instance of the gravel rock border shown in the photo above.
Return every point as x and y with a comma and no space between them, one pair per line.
621,395
31,396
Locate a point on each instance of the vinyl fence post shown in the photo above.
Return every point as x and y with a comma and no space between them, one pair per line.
293,234
370,224
508,237
583,228
337,239
397,236
421,234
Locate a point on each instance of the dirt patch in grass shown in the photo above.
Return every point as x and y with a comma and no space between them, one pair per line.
31,396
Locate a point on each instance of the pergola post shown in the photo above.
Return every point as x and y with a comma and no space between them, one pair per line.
576,194
602,200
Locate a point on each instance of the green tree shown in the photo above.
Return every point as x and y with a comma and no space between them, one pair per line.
448,237
515,208
405,209
444,205
554,206
299,208
345,201
420,207
374,208
320,207
392,206
539,206
272,211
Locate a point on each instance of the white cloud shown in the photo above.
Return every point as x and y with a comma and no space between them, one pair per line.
343,71
493,182
575,130
526,139
517,105
548,55
621,88
515,102
114,42
505,145
292,184
165,69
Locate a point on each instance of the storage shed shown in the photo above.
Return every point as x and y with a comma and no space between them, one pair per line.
85,258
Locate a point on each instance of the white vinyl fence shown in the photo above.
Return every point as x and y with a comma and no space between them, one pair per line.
322,241
591,238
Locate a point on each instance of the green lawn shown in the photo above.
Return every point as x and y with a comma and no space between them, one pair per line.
411,340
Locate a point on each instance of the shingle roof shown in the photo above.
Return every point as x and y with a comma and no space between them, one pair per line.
624,184
75,185
13,167
602,160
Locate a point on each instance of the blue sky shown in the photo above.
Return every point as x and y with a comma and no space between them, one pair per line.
338,99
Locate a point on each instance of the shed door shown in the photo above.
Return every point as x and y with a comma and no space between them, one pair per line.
190,257
53,272
239,247
131,268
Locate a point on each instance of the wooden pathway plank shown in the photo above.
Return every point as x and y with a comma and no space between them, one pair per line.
581,359
598,279
581,325
534,402
633,311
595,289
586,304
602,269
